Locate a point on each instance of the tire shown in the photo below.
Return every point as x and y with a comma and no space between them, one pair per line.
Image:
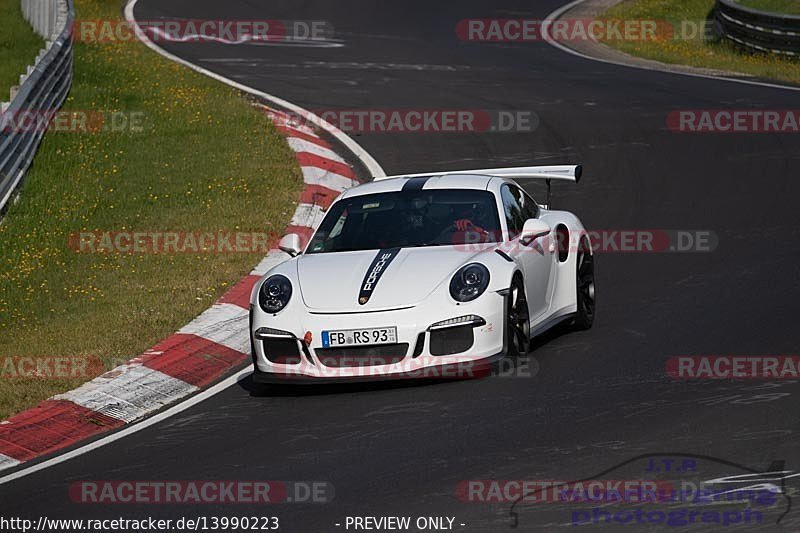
517,320
585,289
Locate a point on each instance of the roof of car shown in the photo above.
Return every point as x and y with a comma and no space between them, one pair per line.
448,181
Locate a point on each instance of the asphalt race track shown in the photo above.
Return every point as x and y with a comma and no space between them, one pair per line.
596,399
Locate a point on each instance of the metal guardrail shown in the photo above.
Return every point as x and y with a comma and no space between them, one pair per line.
41,92
757,30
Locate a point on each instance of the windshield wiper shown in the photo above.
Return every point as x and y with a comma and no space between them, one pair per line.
425,244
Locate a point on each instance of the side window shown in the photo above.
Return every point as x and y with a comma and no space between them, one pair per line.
529,207
326,236
337,228
512,209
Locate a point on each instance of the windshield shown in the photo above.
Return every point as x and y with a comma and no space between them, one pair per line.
405,219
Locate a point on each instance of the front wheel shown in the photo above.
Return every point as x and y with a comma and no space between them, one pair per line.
517,320
584,317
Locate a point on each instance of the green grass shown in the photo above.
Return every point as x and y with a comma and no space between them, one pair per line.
18,46
696,52
791,7
205,160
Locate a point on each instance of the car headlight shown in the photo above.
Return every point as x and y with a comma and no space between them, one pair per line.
275,293
469,282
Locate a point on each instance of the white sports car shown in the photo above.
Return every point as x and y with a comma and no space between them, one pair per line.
423,275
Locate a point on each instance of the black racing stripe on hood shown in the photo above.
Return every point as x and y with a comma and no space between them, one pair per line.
415,184
375,272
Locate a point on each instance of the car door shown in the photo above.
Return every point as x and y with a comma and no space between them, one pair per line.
535,258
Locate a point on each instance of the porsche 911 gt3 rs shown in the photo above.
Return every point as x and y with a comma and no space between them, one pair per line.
410,275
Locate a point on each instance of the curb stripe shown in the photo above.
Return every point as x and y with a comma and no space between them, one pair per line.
329,180
296,130
193,359
289,132
7,462
318,195
239,294
129,392
307,159
225,324
299,145
287,120
51,425
307,215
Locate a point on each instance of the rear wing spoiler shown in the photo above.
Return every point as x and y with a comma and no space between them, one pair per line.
553,172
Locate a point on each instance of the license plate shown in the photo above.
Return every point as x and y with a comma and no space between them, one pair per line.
359,337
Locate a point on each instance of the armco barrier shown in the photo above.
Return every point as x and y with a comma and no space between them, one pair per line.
757,30
42,89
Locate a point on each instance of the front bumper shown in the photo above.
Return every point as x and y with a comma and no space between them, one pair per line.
311,363
464,370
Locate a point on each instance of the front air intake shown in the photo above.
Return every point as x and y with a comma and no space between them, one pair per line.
357,356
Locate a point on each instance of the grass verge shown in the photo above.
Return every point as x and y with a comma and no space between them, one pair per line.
791,7
696,52
18,46
200,158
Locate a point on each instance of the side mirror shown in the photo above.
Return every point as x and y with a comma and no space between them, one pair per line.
533,229
290,244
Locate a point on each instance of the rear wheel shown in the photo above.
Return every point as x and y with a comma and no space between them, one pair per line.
517,320
584,317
